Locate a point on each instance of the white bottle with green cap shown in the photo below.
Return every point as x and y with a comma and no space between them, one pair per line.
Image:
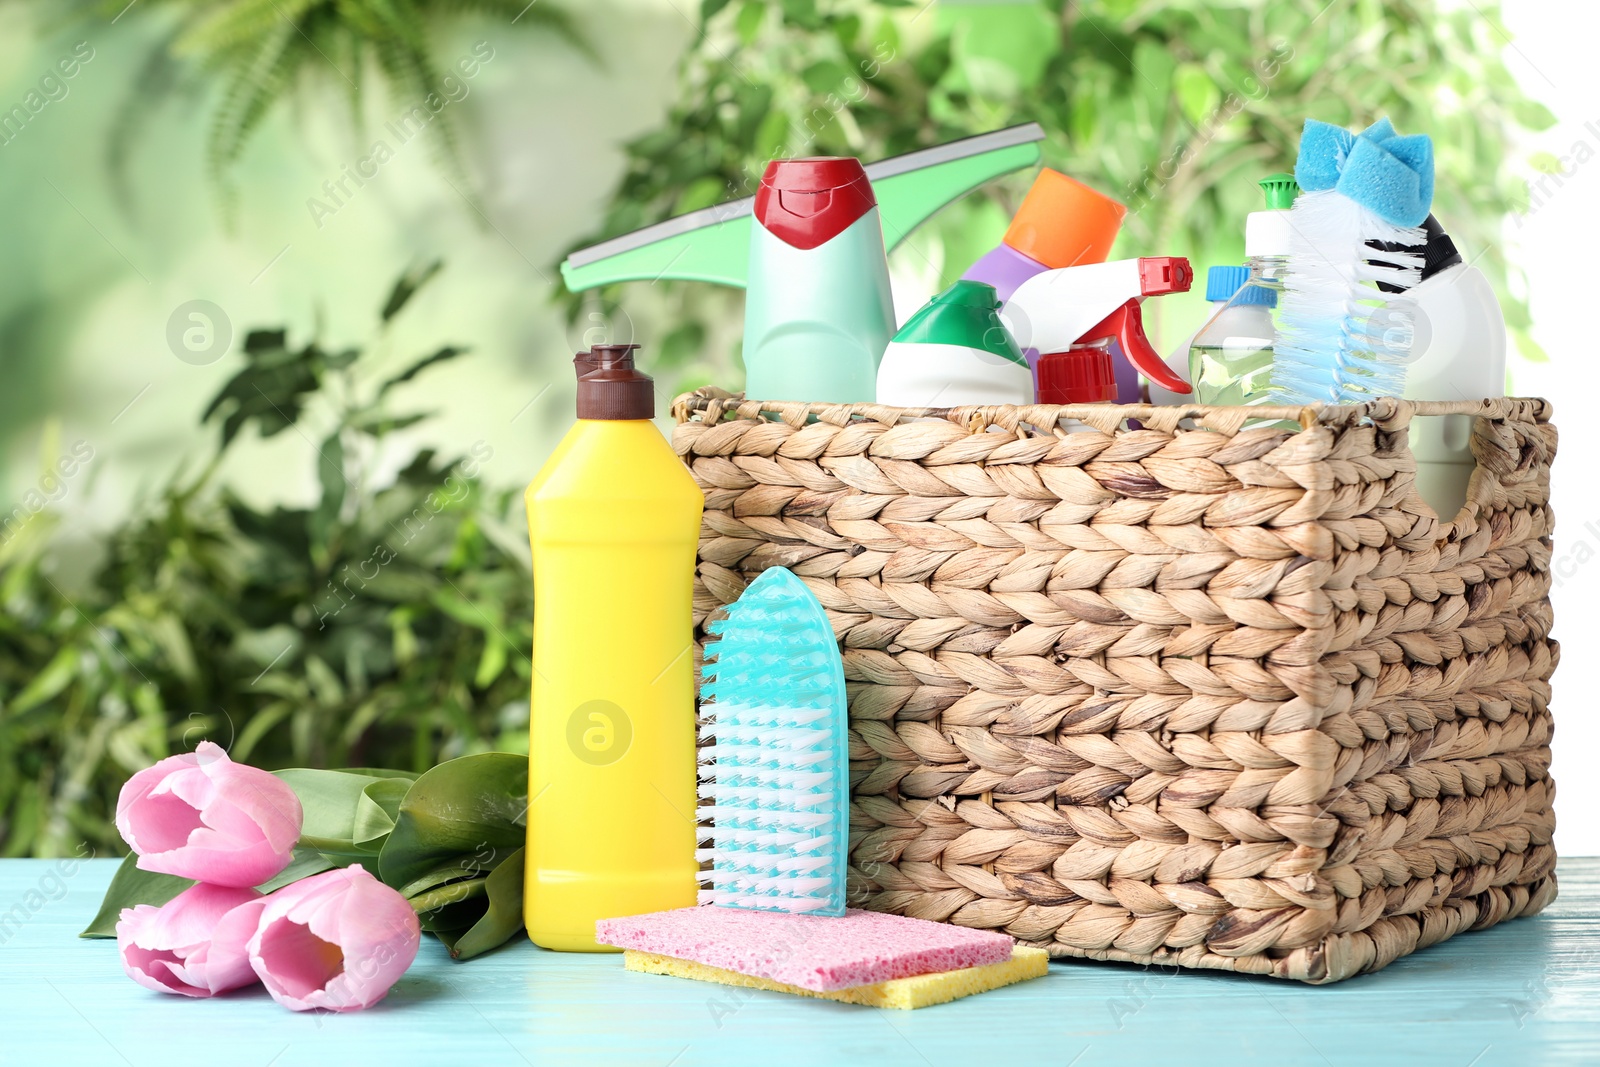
955,352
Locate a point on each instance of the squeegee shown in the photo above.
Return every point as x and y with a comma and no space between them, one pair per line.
713,244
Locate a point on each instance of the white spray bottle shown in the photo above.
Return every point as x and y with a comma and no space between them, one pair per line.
1071,315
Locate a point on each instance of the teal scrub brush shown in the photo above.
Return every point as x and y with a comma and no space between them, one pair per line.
774,756
1345,322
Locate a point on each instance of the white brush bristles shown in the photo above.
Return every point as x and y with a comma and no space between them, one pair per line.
1341,338
768,776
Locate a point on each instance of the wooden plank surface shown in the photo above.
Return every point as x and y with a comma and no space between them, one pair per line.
1525,992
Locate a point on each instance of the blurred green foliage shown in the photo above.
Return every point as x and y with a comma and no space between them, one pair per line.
258,51
1174,107
386,625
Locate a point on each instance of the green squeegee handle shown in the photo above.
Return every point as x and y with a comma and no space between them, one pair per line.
718,250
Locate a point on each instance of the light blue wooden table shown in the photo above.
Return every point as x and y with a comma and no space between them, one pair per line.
1526,992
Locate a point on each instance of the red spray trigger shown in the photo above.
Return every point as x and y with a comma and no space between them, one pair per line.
1126,324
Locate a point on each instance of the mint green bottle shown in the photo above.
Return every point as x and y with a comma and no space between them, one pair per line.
818,312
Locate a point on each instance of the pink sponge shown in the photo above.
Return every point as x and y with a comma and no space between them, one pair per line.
809,951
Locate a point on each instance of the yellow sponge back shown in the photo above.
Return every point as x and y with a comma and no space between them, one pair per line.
905,993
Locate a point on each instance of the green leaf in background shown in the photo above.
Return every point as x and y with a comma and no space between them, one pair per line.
406,286
253,56
752,13
49,682
131,886
294,635
331,476
1533,114
1198,96
448,352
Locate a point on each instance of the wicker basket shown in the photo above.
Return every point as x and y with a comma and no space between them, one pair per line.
1186,694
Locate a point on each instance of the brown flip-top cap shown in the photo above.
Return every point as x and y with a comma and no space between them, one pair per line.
610,387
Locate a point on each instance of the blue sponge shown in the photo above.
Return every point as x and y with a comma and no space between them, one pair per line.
1390,175
1381,130
1323,148
1416,152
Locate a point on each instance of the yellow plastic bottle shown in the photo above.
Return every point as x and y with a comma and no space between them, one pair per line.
613,519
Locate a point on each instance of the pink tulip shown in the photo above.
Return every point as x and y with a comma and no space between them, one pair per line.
335,941
194,944
200,815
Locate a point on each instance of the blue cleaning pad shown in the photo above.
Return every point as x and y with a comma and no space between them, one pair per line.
1384,184
776,770
1323,148
1390,175
1381,130
1416,152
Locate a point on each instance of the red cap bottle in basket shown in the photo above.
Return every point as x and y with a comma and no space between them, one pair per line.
808,202
1078,376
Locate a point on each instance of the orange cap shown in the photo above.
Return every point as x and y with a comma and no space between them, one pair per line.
1064,223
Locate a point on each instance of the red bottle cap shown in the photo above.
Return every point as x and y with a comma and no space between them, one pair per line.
808,202
1078,376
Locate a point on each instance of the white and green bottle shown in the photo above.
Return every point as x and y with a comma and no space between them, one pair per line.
955,352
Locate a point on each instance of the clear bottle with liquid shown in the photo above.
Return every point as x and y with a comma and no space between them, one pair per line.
1230,358
1221,283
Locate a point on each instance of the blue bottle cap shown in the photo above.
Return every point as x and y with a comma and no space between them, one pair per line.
1256,294
1223,282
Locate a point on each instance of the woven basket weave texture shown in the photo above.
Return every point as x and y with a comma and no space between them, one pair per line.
1184,692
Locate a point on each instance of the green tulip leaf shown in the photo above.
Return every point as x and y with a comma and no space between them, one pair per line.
469,812
451,871
454,893
132,885
129,887
376,812
452,920
306,862
346,812
503,918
